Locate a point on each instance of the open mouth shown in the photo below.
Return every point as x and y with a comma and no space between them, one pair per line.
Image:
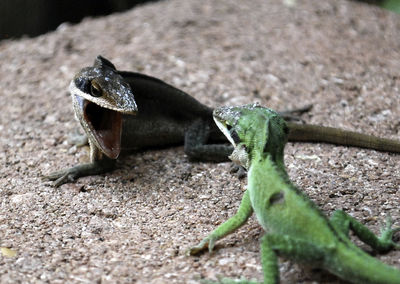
106,126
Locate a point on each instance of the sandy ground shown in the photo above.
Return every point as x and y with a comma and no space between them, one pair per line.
134,224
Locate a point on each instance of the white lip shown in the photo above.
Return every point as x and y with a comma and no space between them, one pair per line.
224,130
130,108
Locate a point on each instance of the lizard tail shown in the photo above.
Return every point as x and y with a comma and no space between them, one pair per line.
317,133
356,266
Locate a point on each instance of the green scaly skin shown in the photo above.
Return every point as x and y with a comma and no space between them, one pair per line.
295,227
122,112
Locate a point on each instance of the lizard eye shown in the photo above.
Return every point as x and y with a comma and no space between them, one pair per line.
95,90
82,84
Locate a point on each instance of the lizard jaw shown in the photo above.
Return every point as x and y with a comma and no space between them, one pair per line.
104,126
222,125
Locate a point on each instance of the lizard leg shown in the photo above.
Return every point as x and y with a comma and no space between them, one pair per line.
294,114
196,146
99,164
344,223
238,170
269,260
228,281
71,174
274,244
297,249
244,212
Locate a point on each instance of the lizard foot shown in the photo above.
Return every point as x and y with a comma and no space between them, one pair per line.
228,281
387,233
63,176
206,242
294,114
71,174
239,171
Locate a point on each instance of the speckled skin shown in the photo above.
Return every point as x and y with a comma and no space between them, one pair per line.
166,117
166,114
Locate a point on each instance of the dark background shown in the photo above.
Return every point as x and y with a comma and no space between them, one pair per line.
27,17
32,18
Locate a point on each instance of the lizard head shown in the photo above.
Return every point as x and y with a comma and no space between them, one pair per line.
252,128
100,96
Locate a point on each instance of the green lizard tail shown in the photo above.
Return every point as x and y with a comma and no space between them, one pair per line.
357,266
316,133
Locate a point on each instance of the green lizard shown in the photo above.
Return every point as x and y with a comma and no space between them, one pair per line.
295,227
123,111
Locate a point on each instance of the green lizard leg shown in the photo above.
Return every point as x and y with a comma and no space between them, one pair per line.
273,244
224,280
244,212
292,248
269,260
344,222
196,147
297,249
71,174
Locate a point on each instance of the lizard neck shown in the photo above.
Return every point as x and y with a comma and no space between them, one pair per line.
271,161
265,165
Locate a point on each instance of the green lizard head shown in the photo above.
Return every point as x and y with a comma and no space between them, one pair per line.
252,129
100,96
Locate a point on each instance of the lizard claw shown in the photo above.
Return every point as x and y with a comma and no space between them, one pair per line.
207,242
223,280
66,175
61,177
387,233
293,115
239,171
71,174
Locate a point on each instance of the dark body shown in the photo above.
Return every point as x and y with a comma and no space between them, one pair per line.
122,111
168,116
